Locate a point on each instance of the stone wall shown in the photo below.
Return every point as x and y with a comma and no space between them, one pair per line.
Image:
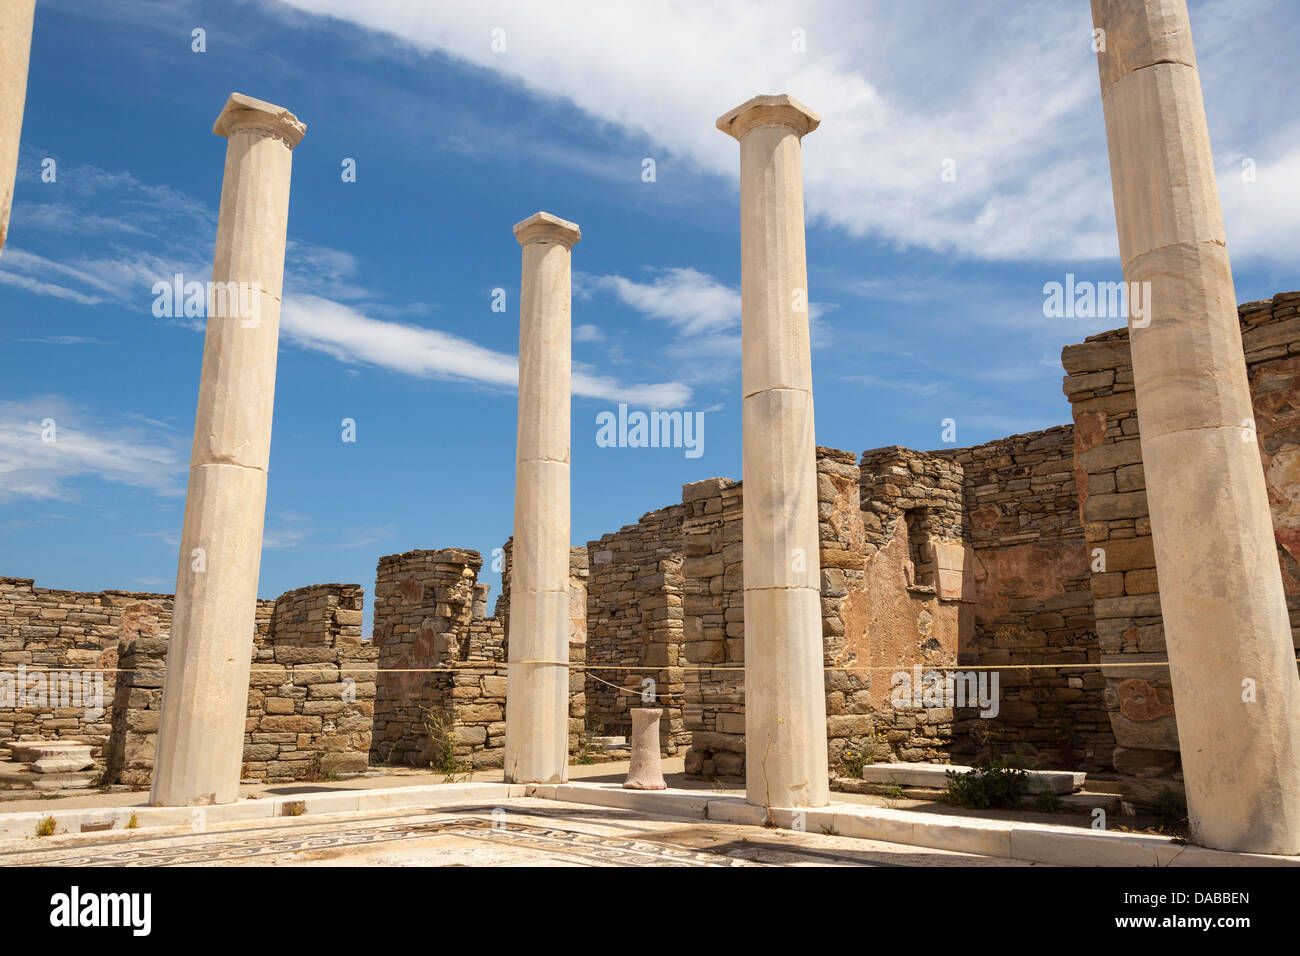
423,618
850,723
312,689
579,580
634,621
915,600
1112,497
713,606
44,630
930,561
441,690
137,701
876,619
1033,603
304,719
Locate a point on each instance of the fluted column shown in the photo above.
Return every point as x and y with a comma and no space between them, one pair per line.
15,49
785,697
205,697
537,689
1226,626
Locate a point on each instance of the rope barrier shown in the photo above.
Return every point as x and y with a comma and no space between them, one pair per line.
466,666
630,691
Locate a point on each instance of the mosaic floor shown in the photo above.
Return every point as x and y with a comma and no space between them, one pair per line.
525,833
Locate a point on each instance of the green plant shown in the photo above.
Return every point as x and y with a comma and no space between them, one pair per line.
985,734
443,741
893,791
584,752
387,759
878,742
322,767
133,823
45,827
998,785
853,761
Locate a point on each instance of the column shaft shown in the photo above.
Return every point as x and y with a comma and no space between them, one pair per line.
205,694
785,697
1227,632
537,689
15,50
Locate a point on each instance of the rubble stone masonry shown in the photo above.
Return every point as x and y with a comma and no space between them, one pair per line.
1113,505
876,620
310,695
634,621
441,691
1033,604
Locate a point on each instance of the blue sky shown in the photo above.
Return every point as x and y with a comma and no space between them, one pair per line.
927,294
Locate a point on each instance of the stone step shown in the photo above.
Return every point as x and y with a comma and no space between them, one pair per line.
61,764
934,776
1087,800
33,751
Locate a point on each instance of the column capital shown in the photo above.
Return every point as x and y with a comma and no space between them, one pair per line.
246,112
543,227
766,110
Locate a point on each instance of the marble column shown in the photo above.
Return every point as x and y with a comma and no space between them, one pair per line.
1227,632
645,770
537,688
785,697
205,697
15,49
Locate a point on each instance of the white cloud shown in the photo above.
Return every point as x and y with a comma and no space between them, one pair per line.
1008,90
66,340
703,312
123,276
587,333
691,302
130,234
82,447
287,529
46,288
349,336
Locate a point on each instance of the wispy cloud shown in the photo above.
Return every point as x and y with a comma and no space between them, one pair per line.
339,330
66,340
47,443
325,309
287,529
688,300
129,233
39,287
294,531
702,312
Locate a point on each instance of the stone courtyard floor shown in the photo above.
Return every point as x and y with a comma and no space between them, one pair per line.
531,832
610,772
